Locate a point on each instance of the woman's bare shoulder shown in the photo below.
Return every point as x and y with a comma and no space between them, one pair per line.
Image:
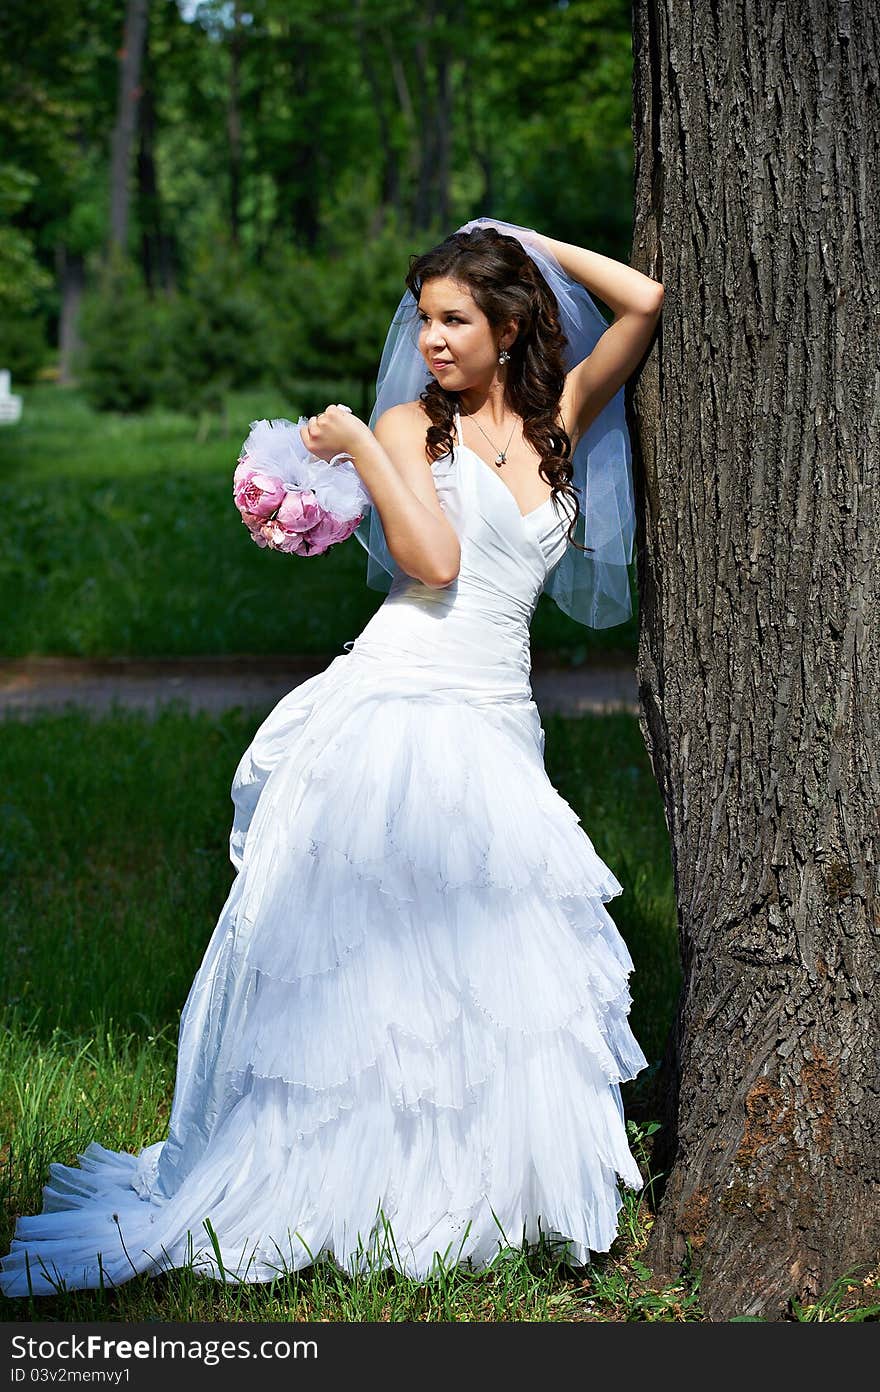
408,423
408,412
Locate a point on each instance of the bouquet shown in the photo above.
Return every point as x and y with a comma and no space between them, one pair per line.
288,498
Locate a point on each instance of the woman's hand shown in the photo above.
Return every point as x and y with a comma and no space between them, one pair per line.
335,431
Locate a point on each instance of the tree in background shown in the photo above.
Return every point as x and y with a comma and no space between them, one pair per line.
130,60
22,281
158,248
291,126
759,661
56,75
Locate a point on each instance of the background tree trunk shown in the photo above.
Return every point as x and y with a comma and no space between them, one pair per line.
233,122
480,146
70,268
759,655
157,259
300,198
435,122
389,187
130,56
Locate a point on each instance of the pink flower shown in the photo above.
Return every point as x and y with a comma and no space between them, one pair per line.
273,534
349,527
290,521
300,510
327,531
253,524
255,492
280,539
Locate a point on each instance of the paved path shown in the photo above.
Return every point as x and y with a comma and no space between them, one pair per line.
29,686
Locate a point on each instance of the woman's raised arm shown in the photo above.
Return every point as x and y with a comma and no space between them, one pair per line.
637,302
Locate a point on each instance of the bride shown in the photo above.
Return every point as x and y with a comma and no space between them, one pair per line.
404,1044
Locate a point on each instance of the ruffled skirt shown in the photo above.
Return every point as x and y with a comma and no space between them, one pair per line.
405,1041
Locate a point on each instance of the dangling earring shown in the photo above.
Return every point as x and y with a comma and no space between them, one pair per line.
503,356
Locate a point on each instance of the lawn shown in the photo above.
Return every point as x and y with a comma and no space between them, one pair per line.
119,537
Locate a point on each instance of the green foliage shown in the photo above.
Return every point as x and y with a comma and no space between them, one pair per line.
548,93
331,311
232,328
337,174
126,340
220,332
185,352
58,73
851,1299
22,279
23,344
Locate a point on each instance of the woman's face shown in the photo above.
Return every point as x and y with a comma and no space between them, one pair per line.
455,337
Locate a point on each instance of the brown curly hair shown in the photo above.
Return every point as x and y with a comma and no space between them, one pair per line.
506,284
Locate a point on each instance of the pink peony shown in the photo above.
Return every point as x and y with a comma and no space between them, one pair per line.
255,492
280,539
349,527
253,524
327,531
293,522
300,510
273,534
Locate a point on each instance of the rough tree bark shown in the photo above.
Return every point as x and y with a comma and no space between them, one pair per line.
756,134
130,57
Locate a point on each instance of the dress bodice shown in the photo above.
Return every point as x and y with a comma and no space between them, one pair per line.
473,632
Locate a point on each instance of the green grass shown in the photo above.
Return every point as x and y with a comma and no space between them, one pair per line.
119,537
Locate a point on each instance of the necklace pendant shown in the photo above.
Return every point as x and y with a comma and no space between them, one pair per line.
499,459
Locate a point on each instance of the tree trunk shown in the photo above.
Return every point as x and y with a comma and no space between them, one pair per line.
130,56
480,148
442,139
408,179
426,102
156,252
435,115
389,191
71,280
299,194
759,658
233,122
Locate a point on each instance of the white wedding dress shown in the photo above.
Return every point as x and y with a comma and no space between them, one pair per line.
407,1033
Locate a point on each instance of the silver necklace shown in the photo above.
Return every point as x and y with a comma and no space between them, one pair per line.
501,457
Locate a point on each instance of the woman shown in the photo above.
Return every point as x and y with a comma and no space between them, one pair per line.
405,1041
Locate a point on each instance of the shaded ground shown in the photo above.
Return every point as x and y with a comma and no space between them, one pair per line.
29,686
